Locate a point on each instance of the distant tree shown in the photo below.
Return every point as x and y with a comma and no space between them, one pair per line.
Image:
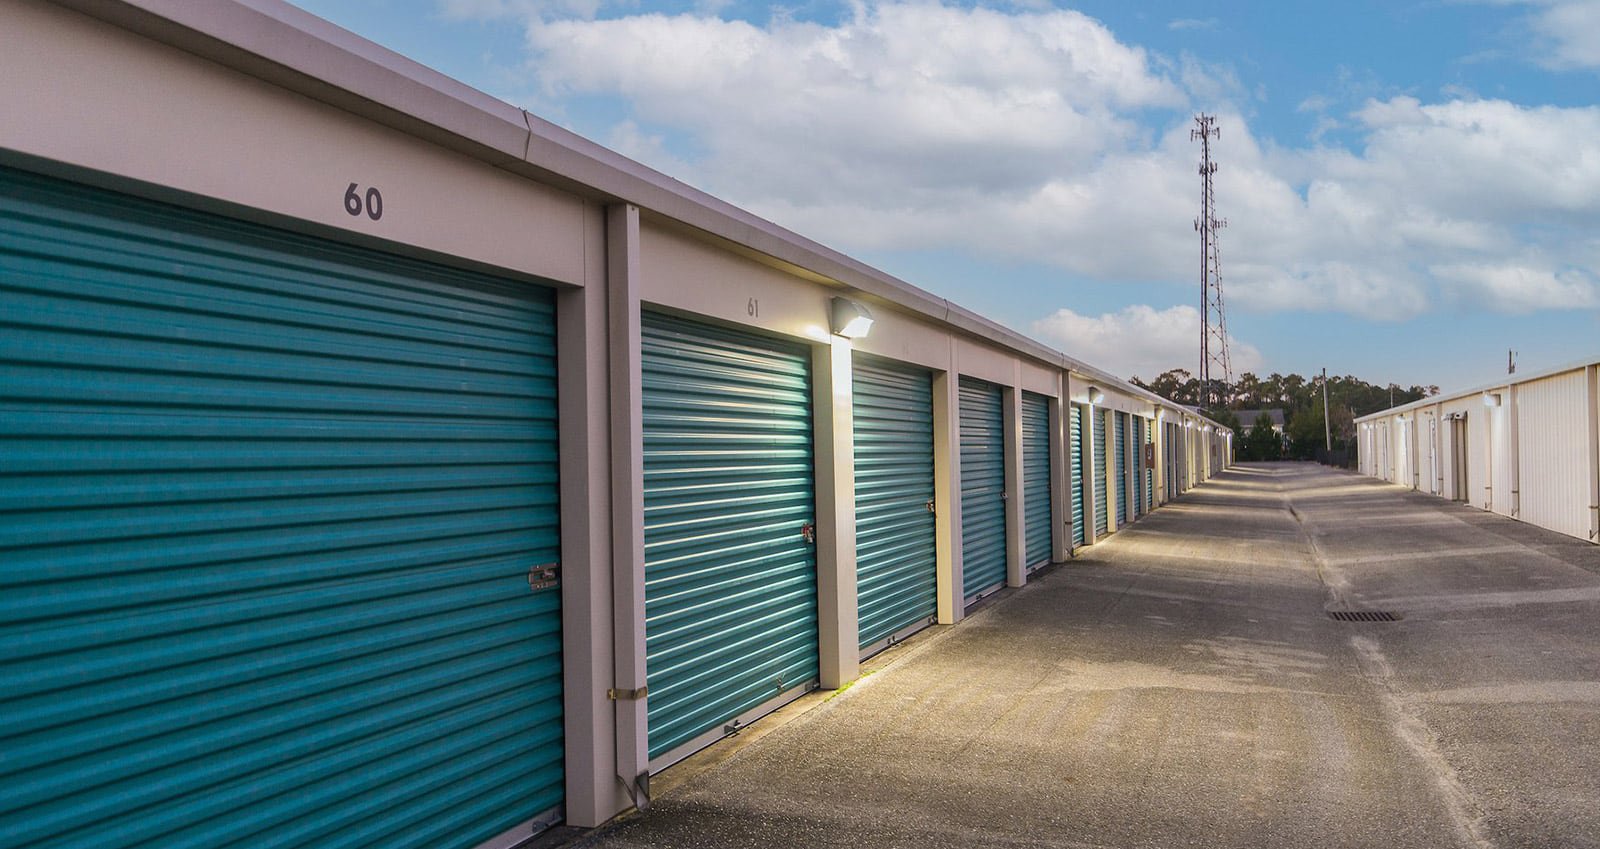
1176,385
1304,432
1262,442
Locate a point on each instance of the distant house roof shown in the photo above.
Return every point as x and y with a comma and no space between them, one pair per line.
1247,418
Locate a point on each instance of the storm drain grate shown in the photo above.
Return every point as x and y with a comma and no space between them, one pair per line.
1364,615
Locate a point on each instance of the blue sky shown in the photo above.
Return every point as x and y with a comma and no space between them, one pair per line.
1412,188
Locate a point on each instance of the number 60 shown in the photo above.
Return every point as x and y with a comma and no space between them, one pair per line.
373,206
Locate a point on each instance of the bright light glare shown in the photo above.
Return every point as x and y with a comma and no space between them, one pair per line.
849,319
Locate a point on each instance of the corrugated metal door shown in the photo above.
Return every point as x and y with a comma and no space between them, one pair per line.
1101,498
983,488
1172,472
730,576
1075,450
1135,458
1552,444
1150,469
896,578
268,514
1036,478
1402,457
1121,439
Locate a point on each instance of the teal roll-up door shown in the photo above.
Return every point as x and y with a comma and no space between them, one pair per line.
1135,459
1120,439
896,577
983,488
268,511
1102,520
1036,479
730,578
1075,449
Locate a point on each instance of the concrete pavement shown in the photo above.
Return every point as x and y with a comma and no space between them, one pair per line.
1182,685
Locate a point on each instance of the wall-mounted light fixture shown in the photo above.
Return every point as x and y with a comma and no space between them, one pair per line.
1491,399
849,319
1095,395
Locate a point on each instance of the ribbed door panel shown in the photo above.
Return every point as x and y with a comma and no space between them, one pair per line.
983,487
1150,470
1101,499
1036,478
896,577
1135,456
1075,450
1553,464
1121,439
267,511
730,583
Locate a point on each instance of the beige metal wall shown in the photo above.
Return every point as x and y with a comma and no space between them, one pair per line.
1554,483
1404,447
1502,470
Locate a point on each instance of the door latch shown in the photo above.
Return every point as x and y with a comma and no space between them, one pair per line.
544,576
930,507
808,532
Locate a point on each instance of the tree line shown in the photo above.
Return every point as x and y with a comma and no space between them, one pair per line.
1300,399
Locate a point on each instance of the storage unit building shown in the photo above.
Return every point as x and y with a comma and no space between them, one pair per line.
1528,448
335,514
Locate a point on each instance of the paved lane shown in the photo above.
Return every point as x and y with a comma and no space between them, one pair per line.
1181,685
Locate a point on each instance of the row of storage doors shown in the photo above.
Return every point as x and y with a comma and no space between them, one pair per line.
730,561
1126,465
281,560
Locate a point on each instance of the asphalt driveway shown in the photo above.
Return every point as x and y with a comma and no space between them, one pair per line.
1183,685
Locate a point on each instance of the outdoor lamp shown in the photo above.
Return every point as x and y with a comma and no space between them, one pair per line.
849,319
1095,395
1491,399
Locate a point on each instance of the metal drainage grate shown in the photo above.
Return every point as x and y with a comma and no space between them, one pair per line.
1364,615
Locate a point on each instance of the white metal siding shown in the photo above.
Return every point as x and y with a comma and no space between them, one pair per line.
1385,451
1428,453
1551,436
1477,456
1403,449
1500,476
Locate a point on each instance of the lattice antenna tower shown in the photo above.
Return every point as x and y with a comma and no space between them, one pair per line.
1215,370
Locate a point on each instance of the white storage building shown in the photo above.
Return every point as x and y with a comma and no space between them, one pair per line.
1525,447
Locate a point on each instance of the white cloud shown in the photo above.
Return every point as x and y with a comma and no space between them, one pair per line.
1192,23
802,113
1524,288
1571,32
1027,135
1161,339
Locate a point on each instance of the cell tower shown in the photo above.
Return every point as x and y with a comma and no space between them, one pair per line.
1215,370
